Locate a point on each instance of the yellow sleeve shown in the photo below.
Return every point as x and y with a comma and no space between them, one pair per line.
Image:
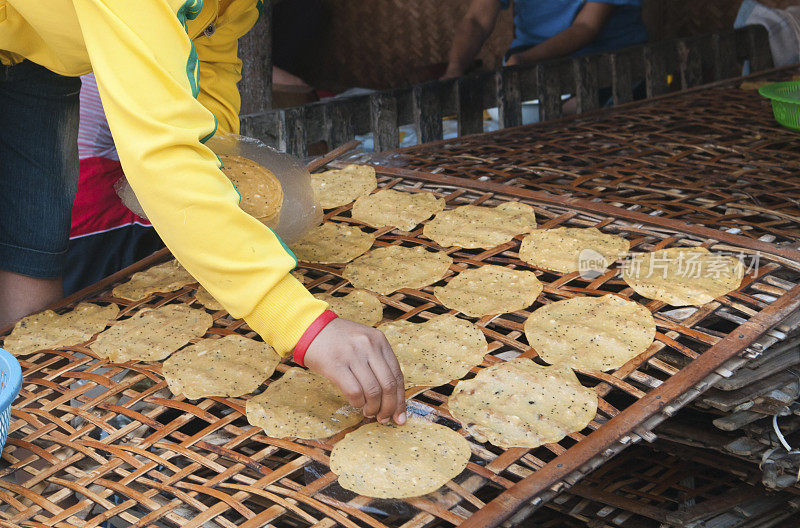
147,75
220,67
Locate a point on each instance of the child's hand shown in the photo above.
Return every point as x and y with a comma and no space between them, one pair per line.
360,361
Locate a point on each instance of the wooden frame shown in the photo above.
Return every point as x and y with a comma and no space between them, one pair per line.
690,62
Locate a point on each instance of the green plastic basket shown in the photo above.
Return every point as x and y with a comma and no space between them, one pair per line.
785,97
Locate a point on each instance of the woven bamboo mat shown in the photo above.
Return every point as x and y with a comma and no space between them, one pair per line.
105,442
712,156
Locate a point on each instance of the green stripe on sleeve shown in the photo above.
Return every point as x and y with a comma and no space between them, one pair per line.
289,251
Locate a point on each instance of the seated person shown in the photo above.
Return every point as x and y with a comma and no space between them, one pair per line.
547,29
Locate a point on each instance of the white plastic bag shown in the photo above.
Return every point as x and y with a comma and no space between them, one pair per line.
299,211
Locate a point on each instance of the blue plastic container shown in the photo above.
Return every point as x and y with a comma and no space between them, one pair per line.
10,382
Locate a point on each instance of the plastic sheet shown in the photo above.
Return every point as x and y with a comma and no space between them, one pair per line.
299,211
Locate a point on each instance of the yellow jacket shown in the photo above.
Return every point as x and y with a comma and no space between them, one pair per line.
164,94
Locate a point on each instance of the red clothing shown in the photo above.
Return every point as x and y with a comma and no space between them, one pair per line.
105,235
97,206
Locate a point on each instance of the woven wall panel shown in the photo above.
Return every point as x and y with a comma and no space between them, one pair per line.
388,43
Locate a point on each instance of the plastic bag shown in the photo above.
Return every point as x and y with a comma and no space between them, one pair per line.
299,211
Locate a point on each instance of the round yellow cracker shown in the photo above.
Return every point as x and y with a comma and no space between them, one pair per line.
387,269
152,335
489,290
437,351
206,299
360,306
336,188
591,333
231,366
568,249
402,210
332,243
518,403
683,276
475,226
302,405
47,330
163,278
261,192
393,462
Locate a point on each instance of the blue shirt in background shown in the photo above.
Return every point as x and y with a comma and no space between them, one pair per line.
537,20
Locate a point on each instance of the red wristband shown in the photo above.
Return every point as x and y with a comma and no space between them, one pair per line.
311,332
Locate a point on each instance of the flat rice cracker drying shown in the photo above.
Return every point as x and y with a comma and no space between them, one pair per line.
402,210
302,405
475,226
47,330
437,351
518,403
591,333
387,269
152,335
167,277
332,243
260,191
360,306
489,290
394,462
683,276
206,299
336,188
231,366
568,249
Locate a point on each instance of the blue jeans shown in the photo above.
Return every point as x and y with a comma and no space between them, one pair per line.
39,114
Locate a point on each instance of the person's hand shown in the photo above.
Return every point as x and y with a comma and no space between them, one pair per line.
359,360
450,74
514,60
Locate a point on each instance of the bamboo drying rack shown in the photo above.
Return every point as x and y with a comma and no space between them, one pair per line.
711,155
104,442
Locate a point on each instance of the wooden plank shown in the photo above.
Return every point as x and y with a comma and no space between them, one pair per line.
549,92
528,85
255,51
655,67
586,86
758,50
427,112
321,161
724,49
469,105
263,126
292,131
383,115
509,98
621,80
727,401
749,375
341,120
689,64
716,505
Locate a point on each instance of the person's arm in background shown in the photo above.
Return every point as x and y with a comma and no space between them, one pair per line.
470,35
582,32
147,72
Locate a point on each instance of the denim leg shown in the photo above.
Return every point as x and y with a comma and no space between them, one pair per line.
39,114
